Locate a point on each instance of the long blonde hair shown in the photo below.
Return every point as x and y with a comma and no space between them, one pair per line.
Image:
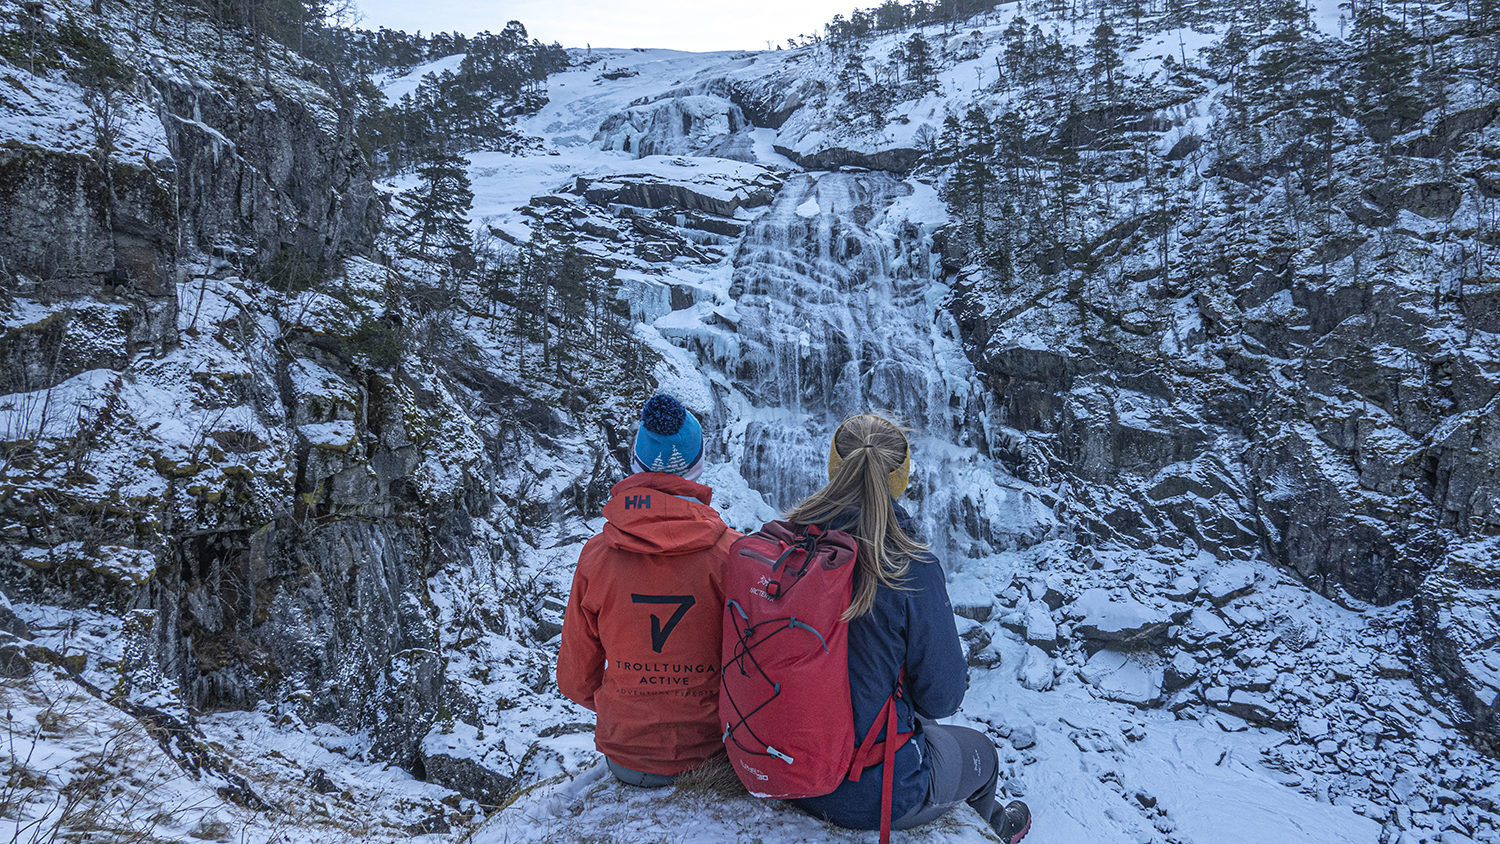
868,450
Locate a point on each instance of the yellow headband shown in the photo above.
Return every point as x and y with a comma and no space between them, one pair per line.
897,480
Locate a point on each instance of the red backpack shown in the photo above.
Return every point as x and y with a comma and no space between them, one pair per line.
788,720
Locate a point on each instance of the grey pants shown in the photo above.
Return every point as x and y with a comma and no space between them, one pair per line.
629,776
965,769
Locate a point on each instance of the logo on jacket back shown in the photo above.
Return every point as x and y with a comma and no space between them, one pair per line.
637,502
660,632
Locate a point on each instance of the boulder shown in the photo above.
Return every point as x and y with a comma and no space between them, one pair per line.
1181,671
1128,678
1120,620
1037,670
1222,585
449,767
1041,630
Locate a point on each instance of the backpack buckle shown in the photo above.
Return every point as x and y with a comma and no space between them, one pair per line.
773,589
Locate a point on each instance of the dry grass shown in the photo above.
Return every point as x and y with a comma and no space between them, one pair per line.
113,788
714,778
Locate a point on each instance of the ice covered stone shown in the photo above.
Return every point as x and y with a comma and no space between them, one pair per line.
1123,620
1128,678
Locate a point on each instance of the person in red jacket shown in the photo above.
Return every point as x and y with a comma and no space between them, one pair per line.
641,634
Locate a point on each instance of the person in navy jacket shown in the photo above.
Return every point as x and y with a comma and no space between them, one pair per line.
901,619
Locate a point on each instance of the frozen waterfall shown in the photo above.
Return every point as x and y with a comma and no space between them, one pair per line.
839,304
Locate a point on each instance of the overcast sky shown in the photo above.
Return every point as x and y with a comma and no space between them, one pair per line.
679,24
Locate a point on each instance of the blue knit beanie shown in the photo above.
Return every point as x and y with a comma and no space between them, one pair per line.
669,439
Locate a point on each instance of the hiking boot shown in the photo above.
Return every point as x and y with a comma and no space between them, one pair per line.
1013,823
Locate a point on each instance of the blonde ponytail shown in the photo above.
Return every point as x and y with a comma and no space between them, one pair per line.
868,464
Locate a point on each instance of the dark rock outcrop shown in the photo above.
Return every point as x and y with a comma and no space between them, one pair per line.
1456,616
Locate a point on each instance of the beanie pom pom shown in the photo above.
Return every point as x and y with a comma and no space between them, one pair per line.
663,415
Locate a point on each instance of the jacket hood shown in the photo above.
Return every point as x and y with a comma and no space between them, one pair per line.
661,514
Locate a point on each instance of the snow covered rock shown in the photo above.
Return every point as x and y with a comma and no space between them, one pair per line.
592,806
1224,584
971,597
1121,620
1183,588
688,125
1041,629
1037,670
712,192
1253,707
1126,677
1180,671
452,757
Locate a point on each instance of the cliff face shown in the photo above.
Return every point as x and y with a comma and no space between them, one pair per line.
134,148
222,421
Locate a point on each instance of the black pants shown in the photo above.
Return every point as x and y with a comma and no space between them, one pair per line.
965,769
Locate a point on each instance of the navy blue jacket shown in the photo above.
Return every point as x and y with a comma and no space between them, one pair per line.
913,627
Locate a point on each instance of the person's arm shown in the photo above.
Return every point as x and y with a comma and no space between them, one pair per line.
936,671
580,659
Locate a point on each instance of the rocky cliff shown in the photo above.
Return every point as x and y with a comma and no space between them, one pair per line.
1281,346
227,426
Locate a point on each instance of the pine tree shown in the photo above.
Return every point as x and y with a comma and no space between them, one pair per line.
852,76
1105,48
916,53
950,140
973,179
436,228
1386,65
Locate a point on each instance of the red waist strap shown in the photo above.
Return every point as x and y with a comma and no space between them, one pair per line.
870,752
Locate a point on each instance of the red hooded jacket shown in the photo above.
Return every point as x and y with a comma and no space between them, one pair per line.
641,635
